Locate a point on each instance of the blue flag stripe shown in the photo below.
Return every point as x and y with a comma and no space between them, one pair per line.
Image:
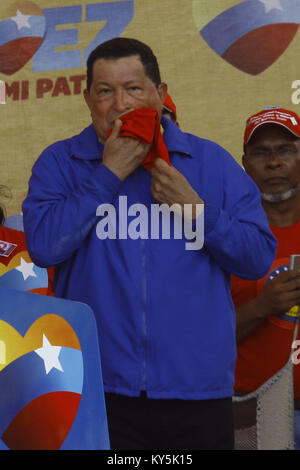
234,23
9,30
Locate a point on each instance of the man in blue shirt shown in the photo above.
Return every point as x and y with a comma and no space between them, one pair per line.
162,302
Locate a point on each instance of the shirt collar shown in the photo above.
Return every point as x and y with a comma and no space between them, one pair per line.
86,145
175,139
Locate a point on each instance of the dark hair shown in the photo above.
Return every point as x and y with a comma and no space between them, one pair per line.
118,48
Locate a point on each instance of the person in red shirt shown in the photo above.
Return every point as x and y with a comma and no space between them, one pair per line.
17,271
267,308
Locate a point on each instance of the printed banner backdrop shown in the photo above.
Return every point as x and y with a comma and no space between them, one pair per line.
52,394
223,60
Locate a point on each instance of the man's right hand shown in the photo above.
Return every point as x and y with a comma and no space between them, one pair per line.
122,155
281,293
278,297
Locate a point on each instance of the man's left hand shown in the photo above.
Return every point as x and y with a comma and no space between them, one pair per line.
169,186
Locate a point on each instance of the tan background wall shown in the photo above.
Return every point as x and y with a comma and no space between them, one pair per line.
213,98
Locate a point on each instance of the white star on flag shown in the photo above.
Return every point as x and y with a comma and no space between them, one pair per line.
26,269
21,20
272,5
49,354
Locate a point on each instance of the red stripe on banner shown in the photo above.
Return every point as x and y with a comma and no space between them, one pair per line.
15,54
257,50
44,423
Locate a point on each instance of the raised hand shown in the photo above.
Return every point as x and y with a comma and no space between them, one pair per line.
169,186
122,155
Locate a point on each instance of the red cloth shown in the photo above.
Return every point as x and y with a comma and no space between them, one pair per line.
143,124
266,350
17,237
169,105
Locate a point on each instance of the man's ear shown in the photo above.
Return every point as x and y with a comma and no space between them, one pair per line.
162,91
244,162
87,97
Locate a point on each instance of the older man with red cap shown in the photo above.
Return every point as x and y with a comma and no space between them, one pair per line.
267,309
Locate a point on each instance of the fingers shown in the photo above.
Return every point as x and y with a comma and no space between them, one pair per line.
116,129
293,285
129,144
287,302
289,280
162,177
293,298
283,292
161,167
294,273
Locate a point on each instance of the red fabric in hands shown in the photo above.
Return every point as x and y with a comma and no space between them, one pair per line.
143,124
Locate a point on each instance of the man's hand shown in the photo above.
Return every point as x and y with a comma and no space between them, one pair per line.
169,186
122,155
279,296
281,293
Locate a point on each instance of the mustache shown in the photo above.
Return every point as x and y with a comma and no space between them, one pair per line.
279,197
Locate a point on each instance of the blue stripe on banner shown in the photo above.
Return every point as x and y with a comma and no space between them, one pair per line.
14,279
9,30
239,20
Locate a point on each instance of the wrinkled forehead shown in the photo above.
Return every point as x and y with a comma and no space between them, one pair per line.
121,68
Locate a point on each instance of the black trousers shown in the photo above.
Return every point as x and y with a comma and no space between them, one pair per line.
142,423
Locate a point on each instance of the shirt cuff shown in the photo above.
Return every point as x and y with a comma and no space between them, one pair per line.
211,215
110,183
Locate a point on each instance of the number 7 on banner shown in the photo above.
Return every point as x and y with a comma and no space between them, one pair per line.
2,92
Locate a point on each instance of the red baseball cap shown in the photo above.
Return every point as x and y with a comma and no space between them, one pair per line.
274,115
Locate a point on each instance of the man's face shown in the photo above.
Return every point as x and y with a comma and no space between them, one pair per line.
119,86
272,159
